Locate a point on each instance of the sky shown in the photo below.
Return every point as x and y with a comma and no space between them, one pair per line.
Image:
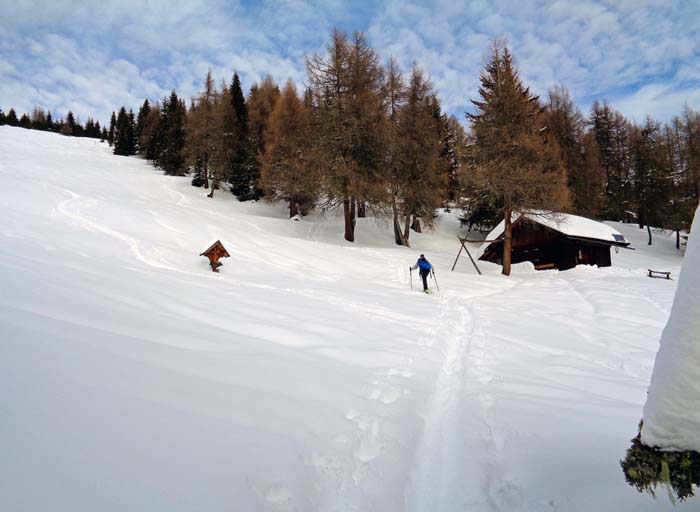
642,56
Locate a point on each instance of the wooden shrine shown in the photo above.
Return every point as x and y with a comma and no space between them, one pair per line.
215,253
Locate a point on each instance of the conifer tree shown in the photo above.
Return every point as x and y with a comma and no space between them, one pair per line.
347,87
70,123
612,135
394,92
25,122
11,119
651,176
421,178
49,122
243,173
171,156
141,123
261,101
514,158
290,172
112,128
201,122
3,117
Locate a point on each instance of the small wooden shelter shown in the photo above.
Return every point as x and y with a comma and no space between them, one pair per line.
555,241
215,253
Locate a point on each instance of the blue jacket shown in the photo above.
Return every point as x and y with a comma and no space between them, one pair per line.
423,264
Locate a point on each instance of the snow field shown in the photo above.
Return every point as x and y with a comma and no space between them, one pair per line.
306,375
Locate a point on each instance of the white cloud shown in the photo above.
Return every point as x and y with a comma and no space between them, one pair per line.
95,56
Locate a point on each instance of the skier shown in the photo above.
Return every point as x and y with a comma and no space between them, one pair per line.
425,267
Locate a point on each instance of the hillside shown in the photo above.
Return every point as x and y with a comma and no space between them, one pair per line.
306,375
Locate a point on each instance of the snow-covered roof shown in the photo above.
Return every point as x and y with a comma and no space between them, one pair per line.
570,225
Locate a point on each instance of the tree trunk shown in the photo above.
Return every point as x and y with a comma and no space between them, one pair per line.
398,235
349,217
205,171
361,209
415,225
406,230
678,239
214,186
507,242
292,208
649,233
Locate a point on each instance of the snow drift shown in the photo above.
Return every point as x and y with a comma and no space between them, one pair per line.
672,410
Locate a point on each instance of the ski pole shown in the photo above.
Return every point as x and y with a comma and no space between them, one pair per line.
410,271
436,283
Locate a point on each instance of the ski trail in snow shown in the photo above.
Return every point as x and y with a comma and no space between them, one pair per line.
437,471
67,209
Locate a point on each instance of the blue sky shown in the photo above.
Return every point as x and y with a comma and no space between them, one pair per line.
643,56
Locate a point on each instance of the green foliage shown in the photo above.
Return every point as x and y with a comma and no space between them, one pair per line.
646,468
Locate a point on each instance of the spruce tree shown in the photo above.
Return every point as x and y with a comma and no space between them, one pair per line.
49,122
25,122
515,158
243,173
11,119
112,128
141,123
171,156
3,117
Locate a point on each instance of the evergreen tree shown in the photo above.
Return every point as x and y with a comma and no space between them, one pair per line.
112,128
104,135
243,173
514,156
11,119
49,122
25,122
3,117
171,154
141,123
70,124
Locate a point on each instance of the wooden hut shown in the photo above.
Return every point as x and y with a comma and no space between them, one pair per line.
555,241
215,252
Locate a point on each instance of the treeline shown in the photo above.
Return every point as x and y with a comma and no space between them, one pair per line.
366,136
40,119
618,169
361,137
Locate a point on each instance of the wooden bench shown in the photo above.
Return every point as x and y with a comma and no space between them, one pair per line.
658,274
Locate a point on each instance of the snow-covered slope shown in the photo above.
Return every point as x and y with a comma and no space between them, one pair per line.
671,413
306,375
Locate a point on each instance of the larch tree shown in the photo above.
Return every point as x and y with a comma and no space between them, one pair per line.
421,177
347,87
261,101
290,171
201,122
394,92
514,156
585,177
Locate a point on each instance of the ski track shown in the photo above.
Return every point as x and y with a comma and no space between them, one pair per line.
438,467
